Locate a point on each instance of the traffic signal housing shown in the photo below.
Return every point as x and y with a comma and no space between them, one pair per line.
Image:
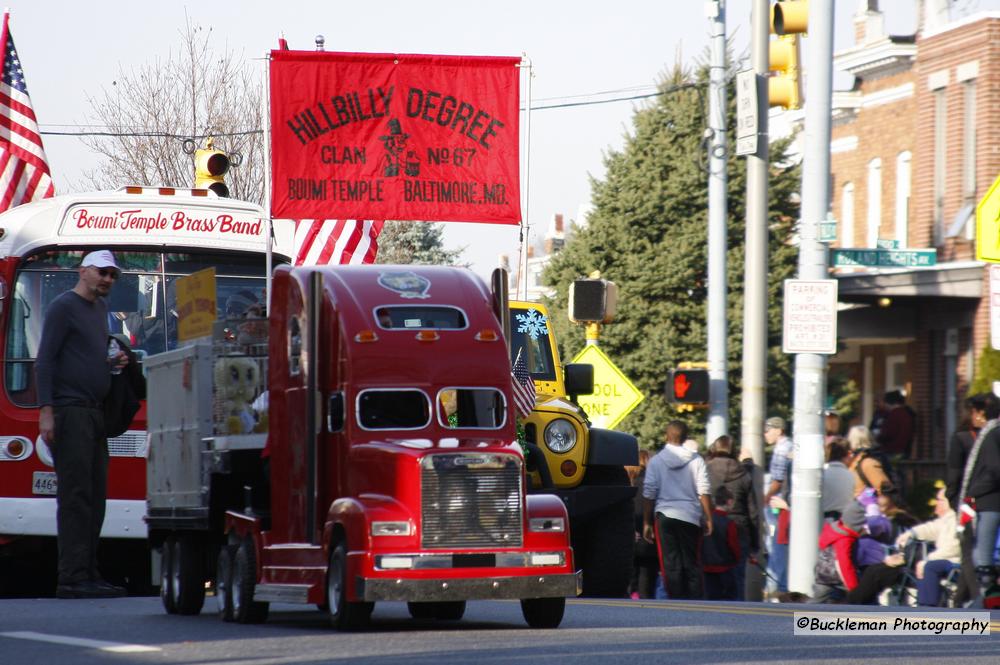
210,168
592,301
688,386
788,21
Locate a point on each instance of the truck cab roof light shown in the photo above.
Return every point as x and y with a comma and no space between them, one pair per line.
428,336
366,336
487,335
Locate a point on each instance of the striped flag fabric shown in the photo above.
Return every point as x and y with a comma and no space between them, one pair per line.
524,386
335,241
24,170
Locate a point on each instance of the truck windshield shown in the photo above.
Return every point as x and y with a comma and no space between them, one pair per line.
476,408
142,305
529,334
393,409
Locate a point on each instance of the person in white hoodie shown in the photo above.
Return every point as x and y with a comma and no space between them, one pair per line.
947,552
677,490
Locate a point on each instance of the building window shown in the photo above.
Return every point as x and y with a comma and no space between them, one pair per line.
940,149
969,149
874,201
847,215
902,197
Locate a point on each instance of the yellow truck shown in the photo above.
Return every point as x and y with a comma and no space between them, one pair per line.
583,465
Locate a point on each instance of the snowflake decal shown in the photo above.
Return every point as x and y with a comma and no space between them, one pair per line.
532,323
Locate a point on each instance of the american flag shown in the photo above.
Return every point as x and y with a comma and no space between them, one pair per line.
24,171
524,386
335,241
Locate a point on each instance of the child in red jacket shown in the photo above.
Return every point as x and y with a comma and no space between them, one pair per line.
721,551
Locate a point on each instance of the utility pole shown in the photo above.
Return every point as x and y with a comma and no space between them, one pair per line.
718,375
810,368
754,398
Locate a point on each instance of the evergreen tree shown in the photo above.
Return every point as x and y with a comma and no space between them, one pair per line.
419,243
648,233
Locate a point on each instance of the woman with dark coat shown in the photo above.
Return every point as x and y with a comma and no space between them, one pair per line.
725,470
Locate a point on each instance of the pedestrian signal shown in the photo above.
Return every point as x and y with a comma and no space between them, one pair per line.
688,386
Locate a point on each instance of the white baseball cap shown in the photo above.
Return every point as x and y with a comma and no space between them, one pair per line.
100,259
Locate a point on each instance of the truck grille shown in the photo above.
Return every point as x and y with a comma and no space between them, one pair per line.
471,500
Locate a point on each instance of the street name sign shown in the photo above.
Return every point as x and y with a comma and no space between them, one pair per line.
614,395
884,258
988,225
810,316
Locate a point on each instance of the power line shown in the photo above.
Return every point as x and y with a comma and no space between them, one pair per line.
248,132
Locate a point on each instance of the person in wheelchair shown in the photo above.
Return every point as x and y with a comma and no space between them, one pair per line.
931,571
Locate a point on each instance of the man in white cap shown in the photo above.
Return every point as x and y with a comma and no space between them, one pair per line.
73,373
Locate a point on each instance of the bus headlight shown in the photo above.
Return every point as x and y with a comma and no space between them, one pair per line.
560,435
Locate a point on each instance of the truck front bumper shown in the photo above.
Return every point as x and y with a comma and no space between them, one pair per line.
479,588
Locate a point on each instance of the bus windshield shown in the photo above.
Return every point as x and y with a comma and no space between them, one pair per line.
142,305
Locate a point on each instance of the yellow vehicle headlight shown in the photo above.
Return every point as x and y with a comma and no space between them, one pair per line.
560,435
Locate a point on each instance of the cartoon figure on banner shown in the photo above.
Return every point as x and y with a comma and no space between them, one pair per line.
395,146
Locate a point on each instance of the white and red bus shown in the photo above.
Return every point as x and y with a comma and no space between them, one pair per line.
157,235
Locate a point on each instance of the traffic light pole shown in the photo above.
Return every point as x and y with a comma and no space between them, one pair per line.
754,396
810,369
718,420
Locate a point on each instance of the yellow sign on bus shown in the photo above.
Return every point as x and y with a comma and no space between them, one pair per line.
196,305
614,395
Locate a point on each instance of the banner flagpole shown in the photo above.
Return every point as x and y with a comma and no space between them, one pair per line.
525,223
266,124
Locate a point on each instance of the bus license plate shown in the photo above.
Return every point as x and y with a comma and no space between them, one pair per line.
43,482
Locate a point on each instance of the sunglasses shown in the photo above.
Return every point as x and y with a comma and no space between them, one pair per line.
108,272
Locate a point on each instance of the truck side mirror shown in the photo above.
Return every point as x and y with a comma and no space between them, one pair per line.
579,379
335,413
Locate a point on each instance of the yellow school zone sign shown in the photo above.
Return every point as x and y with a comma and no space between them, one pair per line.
614,395
988,225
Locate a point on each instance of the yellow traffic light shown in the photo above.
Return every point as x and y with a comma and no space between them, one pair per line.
210,167
784,87
790,18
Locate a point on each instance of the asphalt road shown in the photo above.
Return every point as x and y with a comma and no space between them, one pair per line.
599,632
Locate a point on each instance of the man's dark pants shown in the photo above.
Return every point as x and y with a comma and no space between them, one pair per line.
80,453
680,546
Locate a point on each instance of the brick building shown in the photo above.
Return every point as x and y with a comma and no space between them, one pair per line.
915,144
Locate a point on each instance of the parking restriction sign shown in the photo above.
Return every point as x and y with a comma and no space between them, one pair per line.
810,316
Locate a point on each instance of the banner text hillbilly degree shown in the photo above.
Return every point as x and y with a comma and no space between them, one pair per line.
387,136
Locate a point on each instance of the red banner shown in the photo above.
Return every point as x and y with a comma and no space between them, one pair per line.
388,136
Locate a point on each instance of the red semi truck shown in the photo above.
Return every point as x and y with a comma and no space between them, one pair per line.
390,470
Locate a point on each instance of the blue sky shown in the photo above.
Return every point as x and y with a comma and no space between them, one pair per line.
71,50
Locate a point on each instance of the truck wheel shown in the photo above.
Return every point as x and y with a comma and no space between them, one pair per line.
167,594
543,612
451,610
245,608
608,551
344,614
187,577
224,582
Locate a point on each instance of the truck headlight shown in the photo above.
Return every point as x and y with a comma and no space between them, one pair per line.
560,435
391,528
